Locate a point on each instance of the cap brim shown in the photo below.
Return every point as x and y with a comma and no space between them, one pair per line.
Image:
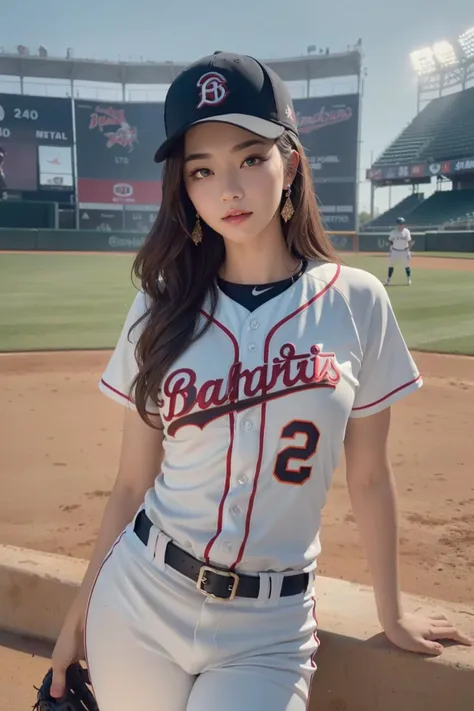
261,127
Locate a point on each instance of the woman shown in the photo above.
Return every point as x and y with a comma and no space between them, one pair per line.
247,360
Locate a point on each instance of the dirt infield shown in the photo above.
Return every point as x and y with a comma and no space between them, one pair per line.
422,260
449,263
60,447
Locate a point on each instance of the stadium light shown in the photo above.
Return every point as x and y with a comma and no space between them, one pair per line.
423,61
466,40
445,54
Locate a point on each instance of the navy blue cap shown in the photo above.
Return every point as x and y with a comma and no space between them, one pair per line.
231,88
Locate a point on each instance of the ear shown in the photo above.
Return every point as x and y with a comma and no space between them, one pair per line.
292,168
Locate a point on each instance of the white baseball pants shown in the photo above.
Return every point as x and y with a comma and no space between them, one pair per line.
399,257
155,643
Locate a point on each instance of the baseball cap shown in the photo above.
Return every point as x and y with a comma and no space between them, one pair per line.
231,88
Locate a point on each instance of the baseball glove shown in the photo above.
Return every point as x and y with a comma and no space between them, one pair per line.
78,696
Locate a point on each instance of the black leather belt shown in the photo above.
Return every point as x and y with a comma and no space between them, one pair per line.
215,582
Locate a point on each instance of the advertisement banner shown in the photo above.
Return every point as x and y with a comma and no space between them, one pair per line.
36,139
125,192
408,173
329,130
139,220
377,242
19,165
423,170
116,143
116,218
101,220
337,204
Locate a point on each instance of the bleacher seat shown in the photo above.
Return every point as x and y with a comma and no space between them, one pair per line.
443,130
401,209
442,207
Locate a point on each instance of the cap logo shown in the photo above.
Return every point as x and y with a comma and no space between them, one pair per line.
213,88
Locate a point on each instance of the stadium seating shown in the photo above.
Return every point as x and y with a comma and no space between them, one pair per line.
443,207
457,141
443,130
401,209
417,137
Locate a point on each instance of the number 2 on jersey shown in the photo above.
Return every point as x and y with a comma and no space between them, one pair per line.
282,472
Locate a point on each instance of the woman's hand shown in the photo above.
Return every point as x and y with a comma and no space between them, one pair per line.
420,633
69,648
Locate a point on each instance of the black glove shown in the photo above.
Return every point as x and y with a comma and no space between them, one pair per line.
78,696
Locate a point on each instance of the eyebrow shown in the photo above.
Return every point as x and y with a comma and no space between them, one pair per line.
235,149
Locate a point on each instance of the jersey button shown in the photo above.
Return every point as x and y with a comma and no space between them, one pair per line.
247,425
235,510
254,324
252,347
242,479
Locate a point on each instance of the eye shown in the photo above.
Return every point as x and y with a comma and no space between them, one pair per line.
200,173
252,161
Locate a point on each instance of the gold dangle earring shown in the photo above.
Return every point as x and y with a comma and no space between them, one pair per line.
288,210
196,234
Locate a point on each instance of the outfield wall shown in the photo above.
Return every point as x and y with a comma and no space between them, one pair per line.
120,241
70,240
424,242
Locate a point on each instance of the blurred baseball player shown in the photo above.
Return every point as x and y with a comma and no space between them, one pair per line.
400,243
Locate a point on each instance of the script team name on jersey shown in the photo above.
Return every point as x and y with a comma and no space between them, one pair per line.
289,373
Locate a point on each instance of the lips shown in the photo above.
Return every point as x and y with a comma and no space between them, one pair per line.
236,216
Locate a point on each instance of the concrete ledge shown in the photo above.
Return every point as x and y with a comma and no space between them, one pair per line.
358,669
36,590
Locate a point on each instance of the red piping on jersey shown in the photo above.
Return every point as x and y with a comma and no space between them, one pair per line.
270,335
228,465
377,402
125,397
117,392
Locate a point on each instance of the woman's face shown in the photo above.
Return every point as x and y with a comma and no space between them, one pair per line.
234,179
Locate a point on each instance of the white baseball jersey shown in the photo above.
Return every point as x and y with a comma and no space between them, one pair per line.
255,414
400,239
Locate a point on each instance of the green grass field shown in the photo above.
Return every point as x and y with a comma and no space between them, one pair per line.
59,301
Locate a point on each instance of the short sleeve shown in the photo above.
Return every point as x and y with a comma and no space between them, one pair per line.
388,371
116,381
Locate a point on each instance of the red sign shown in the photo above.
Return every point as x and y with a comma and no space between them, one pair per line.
131,192
418,170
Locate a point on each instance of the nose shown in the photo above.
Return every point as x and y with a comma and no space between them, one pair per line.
231,189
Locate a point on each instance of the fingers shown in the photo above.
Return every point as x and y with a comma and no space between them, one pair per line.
438,616
448,631
432,648
58,685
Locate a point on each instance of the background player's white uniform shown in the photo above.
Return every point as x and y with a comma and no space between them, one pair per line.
400,247
255,414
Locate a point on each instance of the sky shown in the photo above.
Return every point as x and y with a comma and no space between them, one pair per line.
184,30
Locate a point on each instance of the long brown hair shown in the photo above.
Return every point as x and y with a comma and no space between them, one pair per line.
176,275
